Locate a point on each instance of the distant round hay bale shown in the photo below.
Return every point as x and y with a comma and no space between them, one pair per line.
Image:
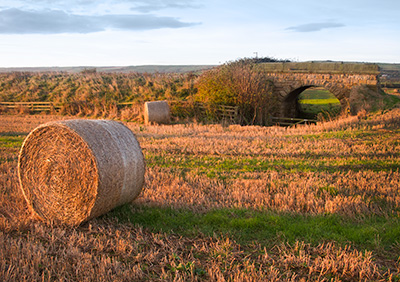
72,171
157,112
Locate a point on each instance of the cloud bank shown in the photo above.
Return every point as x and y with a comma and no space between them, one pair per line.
144,6
18,21
155,5
312,27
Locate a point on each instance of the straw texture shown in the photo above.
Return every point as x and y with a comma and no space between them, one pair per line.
157,112
71,171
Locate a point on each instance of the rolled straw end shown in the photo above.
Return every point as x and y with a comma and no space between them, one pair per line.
71,171
157,112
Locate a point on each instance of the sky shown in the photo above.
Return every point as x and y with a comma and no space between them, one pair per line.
45,33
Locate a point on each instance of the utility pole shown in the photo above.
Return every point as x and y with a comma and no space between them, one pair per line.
256,54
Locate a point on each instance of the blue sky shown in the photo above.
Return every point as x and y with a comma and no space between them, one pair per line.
137,32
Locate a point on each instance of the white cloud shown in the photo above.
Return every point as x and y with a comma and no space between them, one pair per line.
155,5
95,5
311,27
16,21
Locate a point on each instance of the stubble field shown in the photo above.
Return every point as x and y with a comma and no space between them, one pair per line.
313,203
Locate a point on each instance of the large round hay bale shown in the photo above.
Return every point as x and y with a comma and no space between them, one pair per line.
157,112
71,171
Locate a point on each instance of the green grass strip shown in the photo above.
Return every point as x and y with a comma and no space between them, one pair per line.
319,101
11,141
267,227
216,166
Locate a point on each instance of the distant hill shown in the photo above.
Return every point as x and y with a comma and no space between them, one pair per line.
390,74
389,67
384,68
126,69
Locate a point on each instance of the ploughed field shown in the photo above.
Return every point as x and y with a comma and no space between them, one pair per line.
317,202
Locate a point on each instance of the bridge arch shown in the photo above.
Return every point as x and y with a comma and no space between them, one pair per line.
288,84
290,105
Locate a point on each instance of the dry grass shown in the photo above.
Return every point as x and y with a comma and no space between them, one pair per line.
348,194
345,167
108,251
348,172
23,124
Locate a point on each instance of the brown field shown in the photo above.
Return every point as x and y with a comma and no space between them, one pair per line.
347,167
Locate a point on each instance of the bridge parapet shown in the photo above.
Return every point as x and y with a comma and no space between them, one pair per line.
346,80
321,67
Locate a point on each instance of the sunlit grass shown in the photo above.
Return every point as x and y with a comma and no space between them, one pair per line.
11,141
319,101
227,167
266,227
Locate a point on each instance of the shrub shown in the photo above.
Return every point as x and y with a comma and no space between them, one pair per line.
239,83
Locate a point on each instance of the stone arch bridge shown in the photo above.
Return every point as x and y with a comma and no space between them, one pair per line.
289,83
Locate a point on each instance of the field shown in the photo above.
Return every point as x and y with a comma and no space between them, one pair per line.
318,100
310,203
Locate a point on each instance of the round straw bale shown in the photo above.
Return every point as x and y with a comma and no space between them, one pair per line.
157,112
72,171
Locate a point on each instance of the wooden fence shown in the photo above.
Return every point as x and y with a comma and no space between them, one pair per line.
32,106
224,113
44,106
228,114
390,85
283,121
